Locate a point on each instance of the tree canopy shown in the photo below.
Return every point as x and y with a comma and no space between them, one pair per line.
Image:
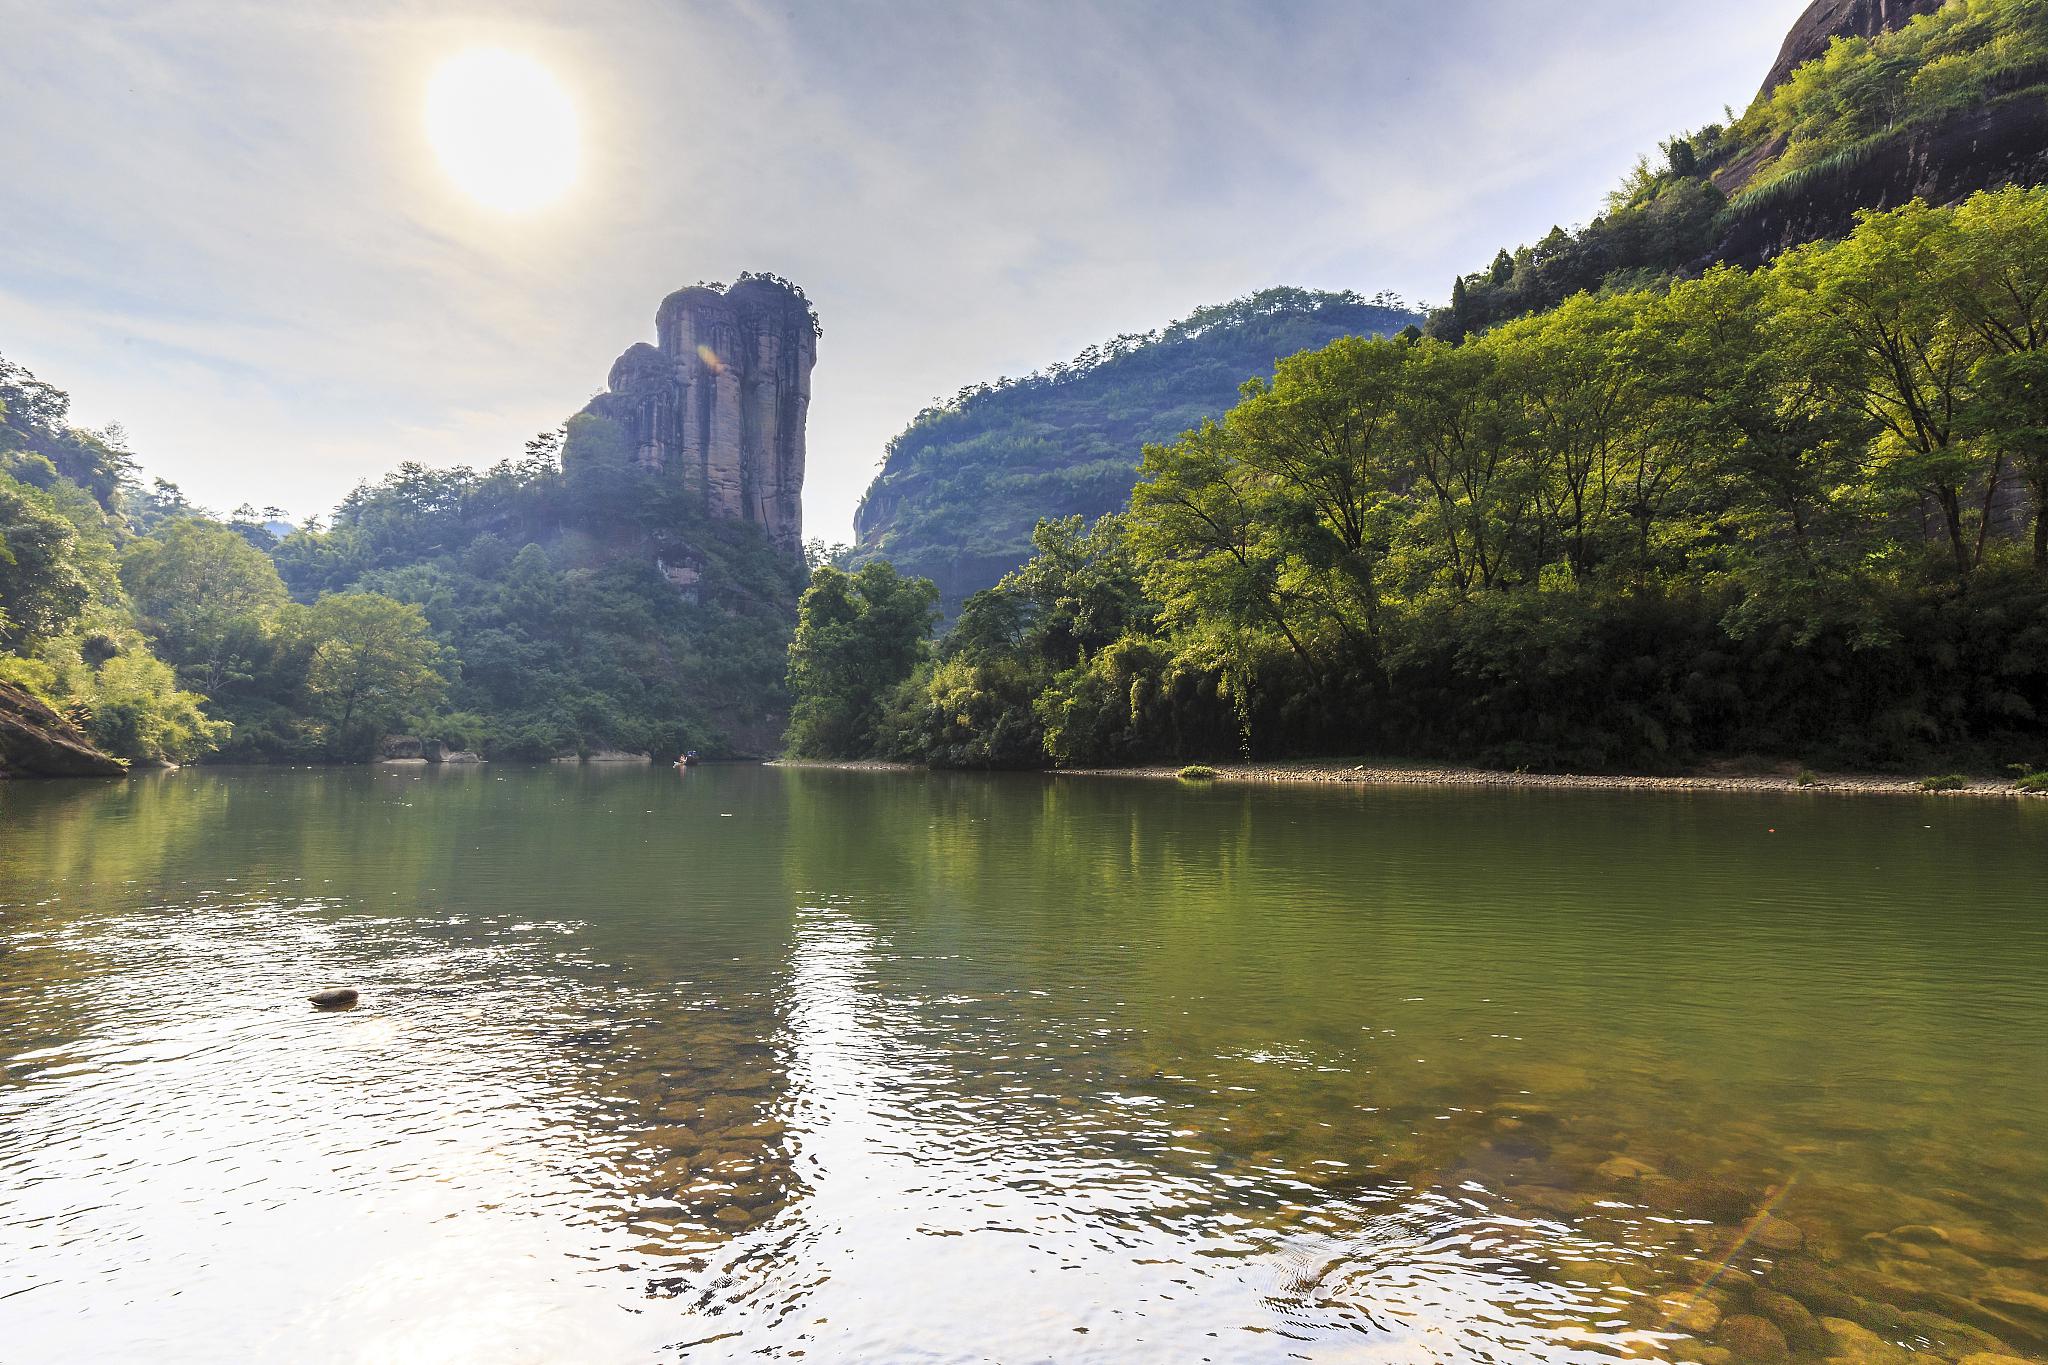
962,486
1796,510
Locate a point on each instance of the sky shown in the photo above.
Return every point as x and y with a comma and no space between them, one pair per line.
223,225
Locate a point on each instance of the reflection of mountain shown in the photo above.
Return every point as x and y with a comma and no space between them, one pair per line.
758,1062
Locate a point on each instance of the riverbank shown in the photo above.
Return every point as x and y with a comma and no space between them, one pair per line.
1731,777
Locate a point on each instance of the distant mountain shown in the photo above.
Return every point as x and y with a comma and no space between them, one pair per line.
1870,105
964,484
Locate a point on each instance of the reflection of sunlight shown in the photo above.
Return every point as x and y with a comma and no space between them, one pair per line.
394,1156
1038,1211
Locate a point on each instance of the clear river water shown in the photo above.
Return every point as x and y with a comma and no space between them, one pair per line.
748,1063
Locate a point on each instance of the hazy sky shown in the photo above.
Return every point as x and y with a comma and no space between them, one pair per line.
224,227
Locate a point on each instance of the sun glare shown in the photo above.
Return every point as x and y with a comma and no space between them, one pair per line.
503,128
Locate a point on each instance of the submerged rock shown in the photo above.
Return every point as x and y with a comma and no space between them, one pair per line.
1621,1169
1855,1344
1813,1286
1715,1200
2021,1302
1776,1234
1801,1328
1753,1338
1692,1313
334,998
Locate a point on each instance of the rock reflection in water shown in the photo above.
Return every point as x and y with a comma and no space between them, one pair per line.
770,1065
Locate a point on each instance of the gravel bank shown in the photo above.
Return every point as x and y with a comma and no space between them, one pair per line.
1732,779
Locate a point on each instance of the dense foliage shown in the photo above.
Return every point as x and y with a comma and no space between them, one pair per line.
592,610
519,610
962,486
857,634
1670,218
1795,511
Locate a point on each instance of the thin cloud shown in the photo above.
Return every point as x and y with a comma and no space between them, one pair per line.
226,229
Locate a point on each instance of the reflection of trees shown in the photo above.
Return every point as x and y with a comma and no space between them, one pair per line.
1327,1008
1344,1029
634,943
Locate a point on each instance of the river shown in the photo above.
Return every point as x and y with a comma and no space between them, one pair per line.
757,1063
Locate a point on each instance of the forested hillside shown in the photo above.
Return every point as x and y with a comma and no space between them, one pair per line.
1952,101
963,485
1795,511
520,611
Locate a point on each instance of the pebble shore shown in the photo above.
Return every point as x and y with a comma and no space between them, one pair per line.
1772,779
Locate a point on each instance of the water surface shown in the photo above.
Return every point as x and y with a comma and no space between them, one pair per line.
746,1063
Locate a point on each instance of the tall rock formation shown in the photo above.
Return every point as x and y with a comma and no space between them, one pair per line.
719,403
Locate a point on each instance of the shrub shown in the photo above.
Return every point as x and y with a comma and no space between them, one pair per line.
1947,782
1197,772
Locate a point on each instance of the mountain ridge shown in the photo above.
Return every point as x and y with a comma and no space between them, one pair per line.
964,483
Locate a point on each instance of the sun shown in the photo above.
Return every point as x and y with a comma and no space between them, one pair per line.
504,129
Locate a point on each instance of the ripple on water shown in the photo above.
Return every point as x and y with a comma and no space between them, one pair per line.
1106,1076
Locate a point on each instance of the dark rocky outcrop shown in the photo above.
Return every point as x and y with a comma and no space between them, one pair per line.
2001,143
1944,160
720,402
1827,20
37,742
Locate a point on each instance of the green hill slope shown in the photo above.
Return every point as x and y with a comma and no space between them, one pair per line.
1863,111
966,481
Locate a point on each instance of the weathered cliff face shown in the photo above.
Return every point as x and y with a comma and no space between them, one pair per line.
1942,160
1944,163
1827,20
720,402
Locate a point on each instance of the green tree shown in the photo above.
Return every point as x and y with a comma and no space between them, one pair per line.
205,595
372,666
137,711
1994,276
44,580
1467,439
1581,398
858,637
1872,315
